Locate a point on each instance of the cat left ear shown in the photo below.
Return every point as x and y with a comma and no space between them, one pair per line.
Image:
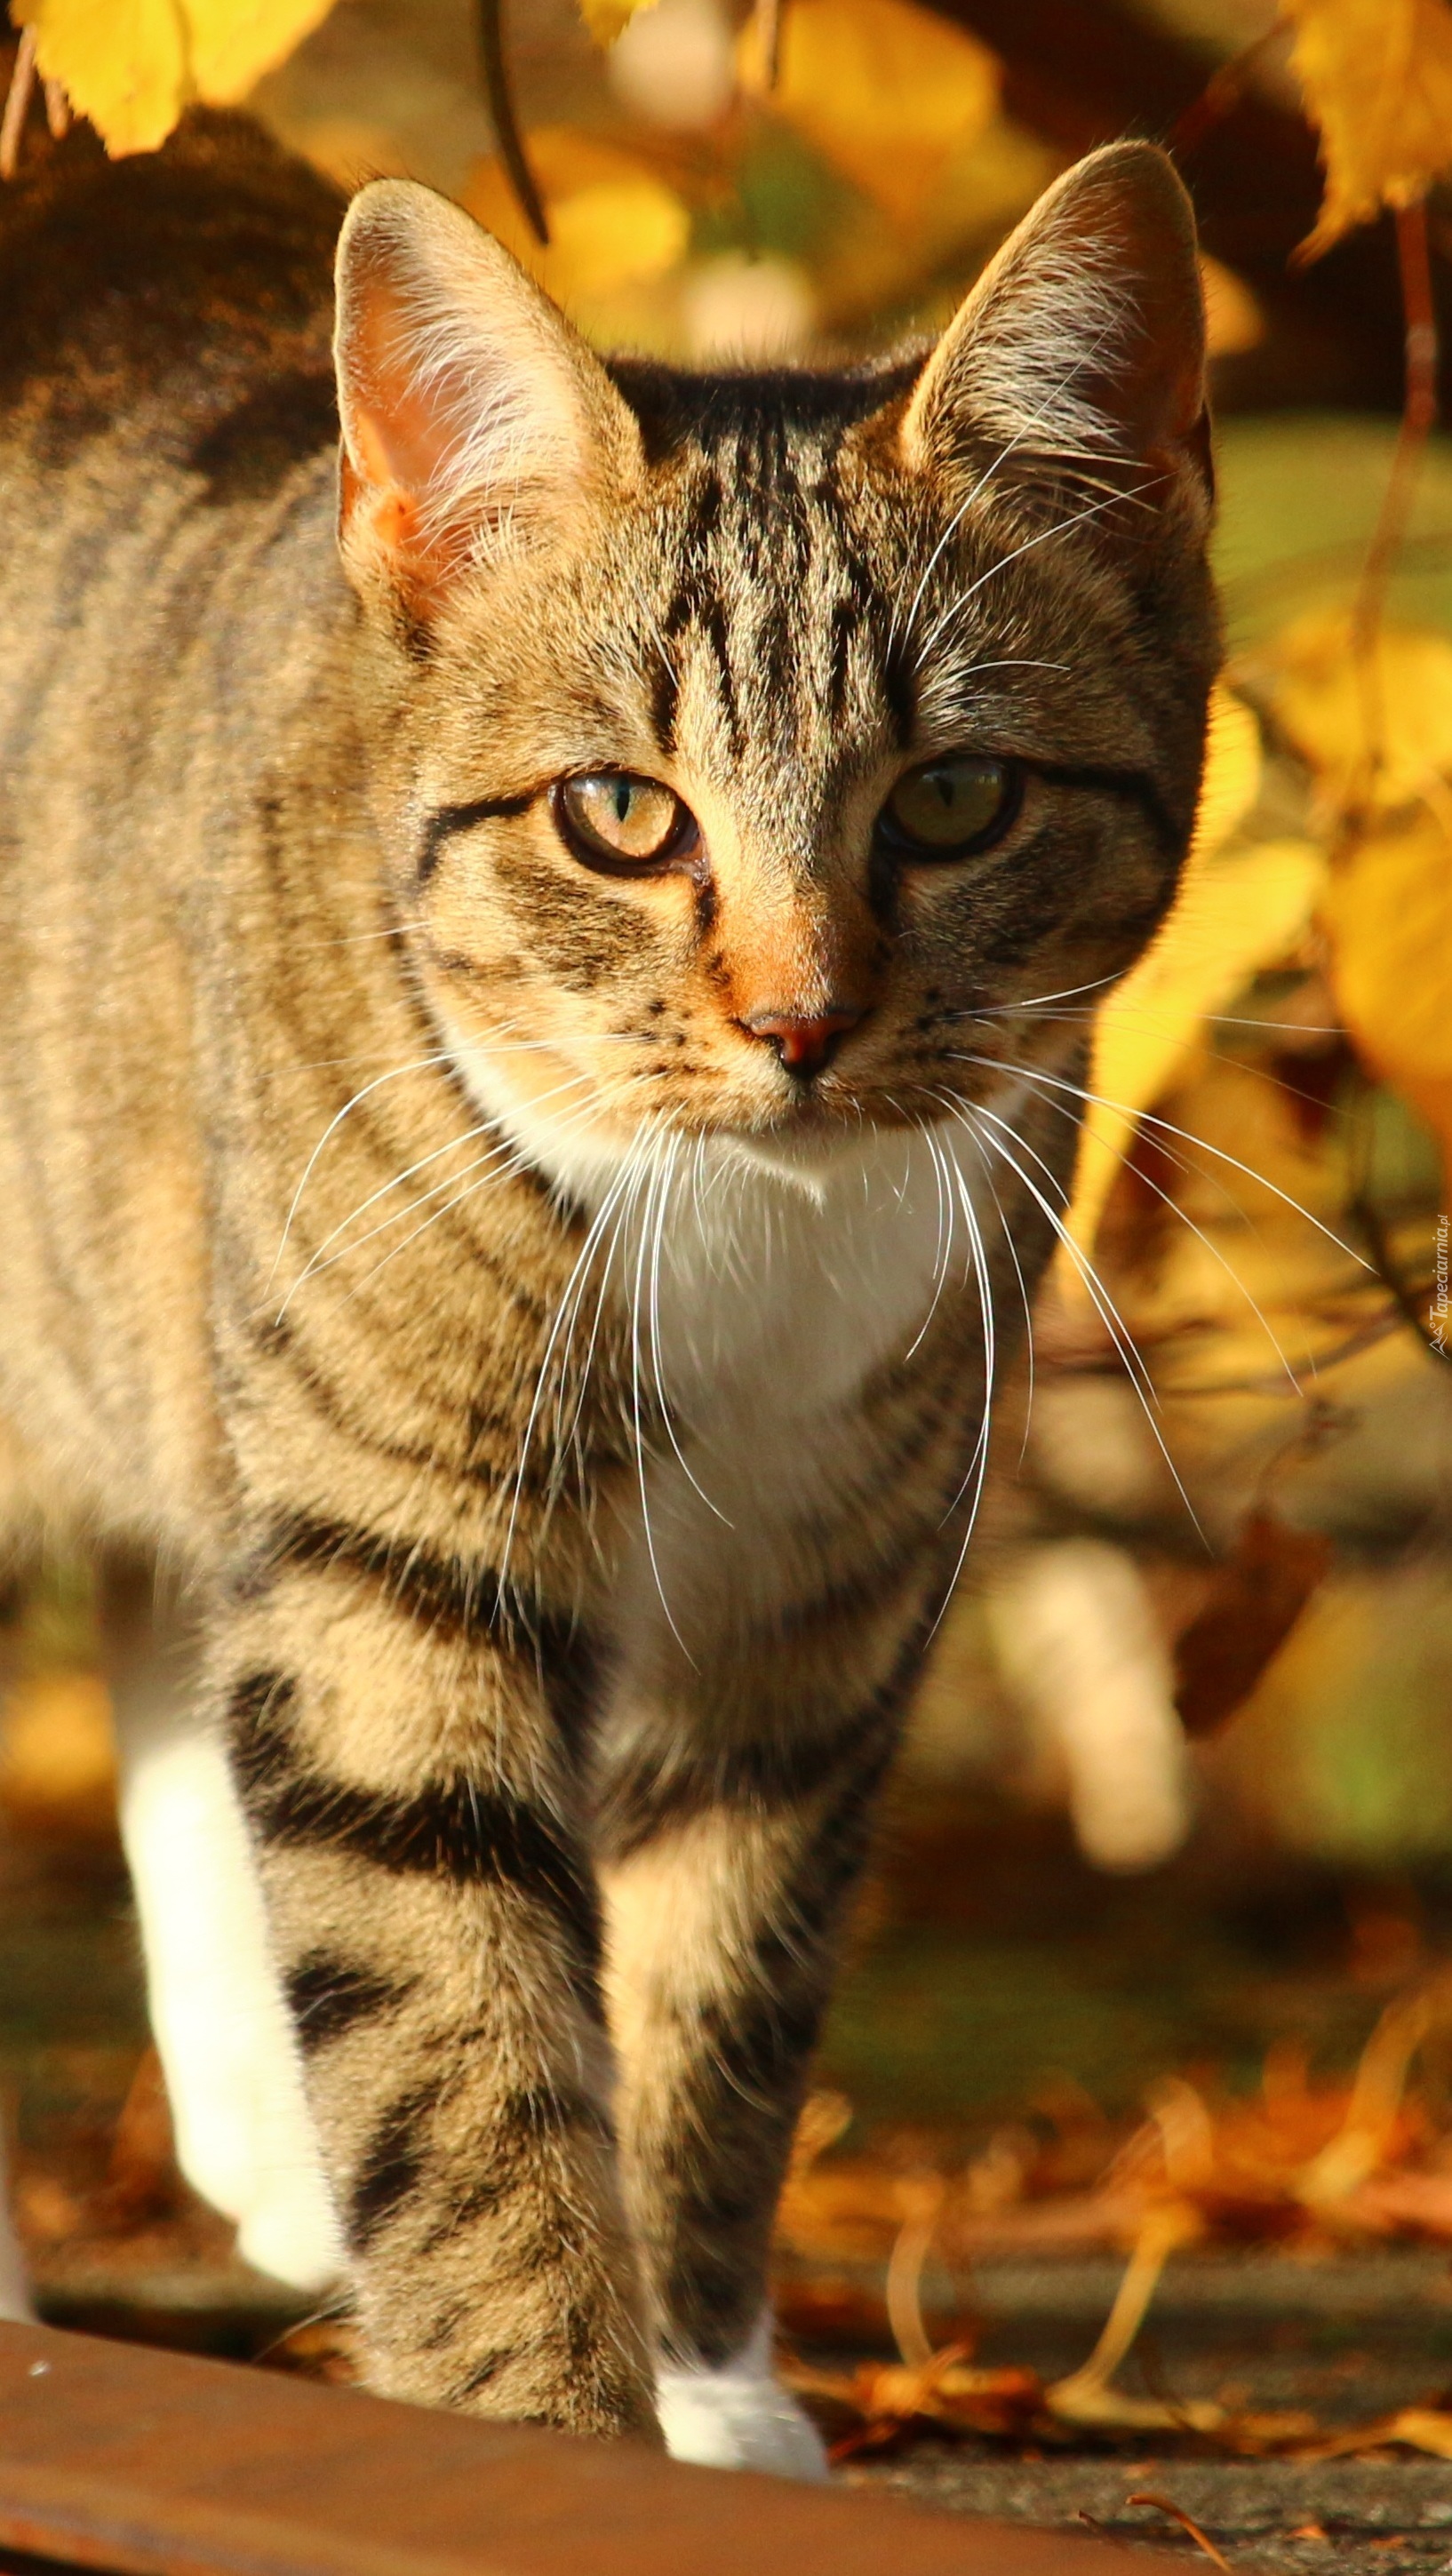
1084,339
474,418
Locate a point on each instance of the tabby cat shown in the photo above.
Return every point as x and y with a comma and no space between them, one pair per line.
532,1103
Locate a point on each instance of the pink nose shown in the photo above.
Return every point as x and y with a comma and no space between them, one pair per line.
804,1045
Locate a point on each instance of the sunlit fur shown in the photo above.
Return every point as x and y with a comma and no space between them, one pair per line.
572,1420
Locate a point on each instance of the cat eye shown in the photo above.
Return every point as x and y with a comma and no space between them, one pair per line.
950,808
624,824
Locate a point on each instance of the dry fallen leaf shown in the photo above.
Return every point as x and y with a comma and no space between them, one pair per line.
1299,2160
132,66
1256,1598
1377,80
884,90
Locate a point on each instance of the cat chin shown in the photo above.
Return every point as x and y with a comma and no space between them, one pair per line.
805,1158
738,2417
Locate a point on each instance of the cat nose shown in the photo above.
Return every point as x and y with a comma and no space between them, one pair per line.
804,1045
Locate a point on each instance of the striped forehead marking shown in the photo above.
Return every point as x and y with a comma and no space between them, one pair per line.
771,576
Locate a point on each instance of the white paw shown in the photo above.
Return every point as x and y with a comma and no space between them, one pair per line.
737,2417
291,2230
15,2305
243,2134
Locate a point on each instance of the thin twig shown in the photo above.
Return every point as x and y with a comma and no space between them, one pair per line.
1221,94
1419,415
17,101
770,18
905,2272
1411,1303
1177,2513
57,109
499,98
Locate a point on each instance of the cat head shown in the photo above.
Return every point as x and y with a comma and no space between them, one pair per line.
753,751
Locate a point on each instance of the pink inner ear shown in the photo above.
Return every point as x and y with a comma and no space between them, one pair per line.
1036,349
1161,386
396,432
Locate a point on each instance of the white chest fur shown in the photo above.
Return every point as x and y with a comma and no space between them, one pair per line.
763,1289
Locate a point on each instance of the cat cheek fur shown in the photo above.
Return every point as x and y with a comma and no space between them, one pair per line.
572,1424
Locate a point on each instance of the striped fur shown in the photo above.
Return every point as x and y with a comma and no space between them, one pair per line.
571,1419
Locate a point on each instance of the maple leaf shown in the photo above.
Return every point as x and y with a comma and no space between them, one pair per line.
1377,80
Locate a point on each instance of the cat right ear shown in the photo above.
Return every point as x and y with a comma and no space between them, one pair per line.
475,420
1083,343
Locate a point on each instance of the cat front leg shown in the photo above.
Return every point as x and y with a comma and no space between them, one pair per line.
244,2135
724,1905
15,2307
435,1921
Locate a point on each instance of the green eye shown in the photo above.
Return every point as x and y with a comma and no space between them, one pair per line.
616,820
950,807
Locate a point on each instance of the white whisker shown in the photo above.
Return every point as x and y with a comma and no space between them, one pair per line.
1045,536
395,1074
640,1462
976,1471
1167,1127
1104,1304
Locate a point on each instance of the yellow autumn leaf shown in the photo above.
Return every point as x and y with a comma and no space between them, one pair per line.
607,19
234,43
1338,713
1236,911
1377,80
122,63
618,230
885,91
1387,910
132,66
1231,780
612,220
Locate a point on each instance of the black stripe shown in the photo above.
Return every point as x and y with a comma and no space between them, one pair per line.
747,2077
716,627
1133,783
762,1775
480,2376
453,1829
455,1596
391,2166
327,1998
899,687
523,2124
442,826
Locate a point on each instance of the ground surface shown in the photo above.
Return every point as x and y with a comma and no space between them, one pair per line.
960,2005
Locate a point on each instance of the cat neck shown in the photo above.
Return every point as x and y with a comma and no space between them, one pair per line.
791,1267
